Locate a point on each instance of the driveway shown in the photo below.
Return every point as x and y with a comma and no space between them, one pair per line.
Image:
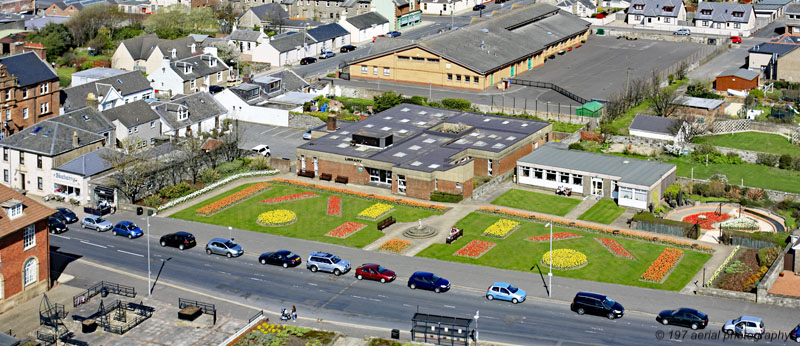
282,141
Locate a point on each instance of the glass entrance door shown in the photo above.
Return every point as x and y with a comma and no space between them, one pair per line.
597,187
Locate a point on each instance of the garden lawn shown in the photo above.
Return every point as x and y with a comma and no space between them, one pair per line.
516,253
536,202
755,141
604,211
754,175
65,76
312,221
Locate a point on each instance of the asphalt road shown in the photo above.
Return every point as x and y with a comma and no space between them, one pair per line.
282,141
537,321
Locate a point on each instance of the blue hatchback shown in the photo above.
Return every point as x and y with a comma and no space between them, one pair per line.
428,281
127,229
506,291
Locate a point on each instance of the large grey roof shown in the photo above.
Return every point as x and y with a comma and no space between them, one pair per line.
268,12
99,73
86,118
655,8
28,68
698,102
327,32
245,35
741,73
49,138
88,164
655,124
290,41
722,12
132,82
131,114
773,48
771,4
568,3
201,106
793,8
624,169
140,47
367,20
201,66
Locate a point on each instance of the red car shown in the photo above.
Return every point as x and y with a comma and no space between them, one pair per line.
375,272
736,39
376,37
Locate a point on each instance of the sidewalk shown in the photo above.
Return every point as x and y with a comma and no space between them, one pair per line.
587,203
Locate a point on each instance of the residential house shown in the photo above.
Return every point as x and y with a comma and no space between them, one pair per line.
61,9
661,128
580,8
29,92
36,23
330,37
246,41
445,7
17,6
286,49
365,27
621,4
728,16
793,19
12,43
90,120
270,15
401,14
190,75
737,79
135,121
24,249
167,3
656,12
147,52
771,9
277,82
248,102
770,58
190,115
326,11
94,74
107,93
136,6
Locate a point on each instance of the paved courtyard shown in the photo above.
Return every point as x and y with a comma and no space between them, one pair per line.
282,141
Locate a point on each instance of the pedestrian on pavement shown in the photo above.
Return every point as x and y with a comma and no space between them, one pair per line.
294,313
440,13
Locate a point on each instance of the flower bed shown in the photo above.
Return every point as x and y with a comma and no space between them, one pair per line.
475,249
395,245
706,220
710,281
501,229
615,248
192,195
375,211
277,218
406,202
289,198
346,229
565,259
660,269
739,224
334,206
556,236
231,200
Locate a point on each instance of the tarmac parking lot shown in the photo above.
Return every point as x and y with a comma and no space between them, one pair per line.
282,141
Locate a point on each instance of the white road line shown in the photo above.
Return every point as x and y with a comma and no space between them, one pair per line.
257,279
111,246
450,306
93,244
130,253
312,284
490,317
225,273
407,305
270,129
61,236
374,300
277,133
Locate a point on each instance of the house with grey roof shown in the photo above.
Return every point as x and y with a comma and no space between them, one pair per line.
135,121
287,49
78,174
93,74
632,183
330,37
771,9
190,75
793,19
726,17
326,11
146,52
251,103
107,93
660,128
773,59
273,17
246,41
90,120
580,8
190,115
365,27
656,12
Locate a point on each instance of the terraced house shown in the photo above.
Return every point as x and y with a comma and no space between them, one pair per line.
29,92
190,75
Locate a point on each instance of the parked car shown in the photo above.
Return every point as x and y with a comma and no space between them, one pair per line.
393,34
262,149
499,1
347,48
283,258
682,32
506,291
376,272
127,229
307,135
596,304
328,54
308,60
744,326
479,7
736,39
377,37
96,223
55,225
795,333
180,240
684,317
215,89
428,281
68,215
327,262
224,247
59,217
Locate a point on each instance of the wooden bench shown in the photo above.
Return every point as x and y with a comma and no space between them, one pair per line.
341,179
326,177
386,223
307,174
454,236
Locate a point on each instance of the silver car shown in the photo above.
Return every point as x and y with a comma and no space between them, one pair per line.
328,263
225,247
745,326
96,223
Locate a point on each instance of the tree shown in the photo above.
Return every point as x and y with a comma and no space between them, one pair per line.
227,52
386,100
662,98
192,155
56,38
231,136
179,21
132,165
86,24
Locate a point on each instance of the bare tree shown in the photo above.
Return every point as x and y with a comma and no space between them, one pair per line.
231,136
192,156
662,98
132,165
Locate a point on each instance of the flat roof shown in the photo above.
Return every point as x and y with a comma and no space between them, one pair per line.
697,102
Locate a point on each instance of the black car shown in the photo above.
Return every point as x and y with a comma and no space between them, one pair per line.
215,89
307,60
347,48
283,258
683,317
56,225
67,215
596,304
479,7
180,240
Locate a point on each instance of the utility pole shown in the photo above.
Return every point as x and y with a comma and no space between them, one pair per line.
149,284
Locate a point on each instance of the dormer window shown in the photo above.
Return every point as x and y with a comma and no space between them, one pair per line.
13,208
738,14
183,114
174,53
638,7
669,8
187,68
212,62
706,12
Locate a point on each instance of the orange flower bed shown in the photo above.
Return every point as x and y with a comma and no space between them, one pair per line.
395,245
407,202
475,248
663,265
232,199
556,236
346,229
334,206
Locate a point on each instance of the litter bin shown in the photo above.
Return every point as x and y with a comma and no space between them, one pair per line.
601,31
149,212
395,334
139,211
88,326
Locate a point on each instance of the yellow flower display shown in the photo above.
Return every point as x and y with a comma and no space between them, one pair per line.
500,228
565,259
375,210
278,217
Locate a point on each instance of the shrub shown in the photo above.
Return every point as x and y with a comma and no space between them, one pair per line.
418,100
737,267
208,175
457,104
716,189
175,191
707,152
734,159
776,95
438,196
575,146
86,65
768,255
356,105
766,159
152,201
228,167
434,104
608,129
785,162
701,189
757,93
672,190
258,164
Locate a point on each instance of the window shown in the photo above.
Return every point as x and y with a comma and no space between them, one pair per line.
433,60
152,141
44,88
130,130
489,168
24,93
25,113
136,129
706,12
219,76
385,71
669,8
577,179
8,114
551,175
418,59
30,272
15,211
475,79
564,178
705,23
458,78
21,158
45,108
738,14
538,173
29,237
39,183
666,20
637,17
38,161
5,154
737,25
640,195
327,4
435,184
183,114
625,192
449,76
525,171
5,175
375,70
403,58
192,84
364,69
8,94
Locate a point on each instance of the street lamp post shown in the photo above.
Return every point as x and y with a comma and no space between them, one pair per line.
230,232
149,290
550,272
477,315
430,90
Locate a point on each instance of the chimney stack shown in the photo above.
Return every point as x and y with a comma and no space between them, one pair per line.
74,139
331,123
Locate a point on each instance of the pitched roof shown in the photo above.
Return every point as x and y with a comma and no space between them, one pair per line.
88,164
131,114
793,8
655,8
140,47
49,138
741,73
201,106
268,12
289,79
85,118
652,123
367,20
771,4
722,12
28,68
132,82
290,41
246,35
698,102
773,48
568,3
327,32
200,66
98,73
32,212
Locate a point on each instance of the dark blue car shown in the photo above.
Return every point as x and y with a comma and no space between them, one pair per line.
127,229
428,281
67,215
393,34
283,258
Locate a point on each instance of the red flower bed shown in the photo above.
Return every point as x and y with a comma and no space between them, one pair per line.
289,198
334,206
231,199
475,248
615,248
556,236
346,229
663,265
711,218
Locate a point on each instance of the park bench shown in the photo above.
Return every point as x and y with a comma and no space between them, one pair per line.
307,174
454,235
326,177
341,179
386,223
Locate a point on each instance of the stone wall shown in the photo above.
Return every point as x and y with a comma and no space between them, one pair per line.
746,155
492,184
774,195
772,274
720,293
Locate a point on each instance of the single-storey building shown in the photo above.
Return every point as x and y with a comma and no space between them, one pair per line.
365,27
631,182
736,79
771,9
662,128
699,106
793,19
76,174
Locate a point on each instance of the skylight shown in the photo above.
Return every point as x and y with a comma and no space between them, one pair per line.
511,138
429,140
400,154
334,137
405,109
385,128
414,147
438,115
434,165
387,118
525,125
498,146
480,144
505,122
416,163
404,121
403,131
422,112
369,125
342,145
420,123
344,133
486,120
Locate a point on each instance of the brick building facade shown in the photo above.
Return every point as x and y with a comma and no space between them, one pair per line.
29,92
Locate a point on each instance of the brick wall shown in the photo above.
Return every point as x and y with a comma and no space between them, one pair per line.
510,161
336,169
13,258
32,103
480,167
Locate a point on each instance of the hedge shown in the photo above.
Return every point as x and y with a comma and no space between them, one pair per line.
438,196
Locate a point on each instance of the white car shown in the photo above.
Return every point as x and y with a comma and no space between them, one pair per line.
262,150
744,326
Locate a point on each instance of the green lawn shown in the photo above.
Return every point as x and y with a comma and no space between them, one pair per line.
754,175
516,253
604,211
624,121
312,221
566,127
755,141
537,202
65,76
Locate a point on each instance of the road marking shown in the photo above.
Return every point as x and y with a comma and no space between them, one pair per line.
270,129
337,295
93,244
404,304
130,253
450,306
257,279
312,284
276,134
490,317
61,236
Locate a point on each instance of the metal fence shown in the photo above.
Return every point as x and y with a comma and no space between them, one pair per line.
109,287
551,86
207,308
142,313
256,316
749,243
660,228
520,105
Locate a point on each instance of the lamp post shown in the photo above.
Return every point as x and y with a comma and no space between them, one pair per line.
452,19
477,315
550,272
230,232
430,90
149,284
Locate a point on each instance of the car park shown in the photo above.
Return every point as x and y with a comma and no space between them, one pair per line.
55,225
127,229
375,272
479,7
96,223
283,258
683,317
224,247
744,326
506,291
795,333
327,262
307,135
347,48
67,215
428,281
180,240
262,150
682,32
328,54
308,60
736,39
393,34
596,304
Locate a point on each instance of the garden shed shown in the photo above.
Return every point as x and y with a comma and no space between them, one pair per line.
592,109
